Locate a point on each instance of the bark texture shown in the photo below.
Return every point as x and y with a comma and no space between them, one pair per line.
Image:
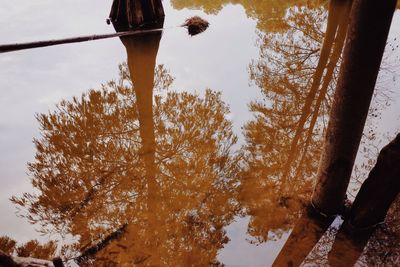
370,22
132,14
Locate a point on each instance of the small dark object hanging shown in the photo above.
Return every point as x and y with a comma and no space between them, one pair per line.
196,25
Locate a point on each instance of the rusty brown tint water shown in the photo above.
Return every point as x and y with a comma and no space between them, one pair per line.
186,151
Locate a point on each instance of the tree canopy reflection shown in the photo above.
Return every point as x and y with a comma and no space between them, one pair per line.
89,174
283,140
268,13
297,75
159,176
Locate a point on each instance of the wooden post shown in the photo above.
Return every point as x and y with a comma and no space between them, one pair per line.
142,54
133,14
141,58
370,22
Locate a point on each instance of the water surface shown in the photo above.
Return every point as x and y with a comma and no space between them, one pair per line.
188,150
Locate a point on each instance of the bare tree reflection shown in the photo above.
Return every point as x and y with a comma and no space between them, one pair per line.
297,80
284,139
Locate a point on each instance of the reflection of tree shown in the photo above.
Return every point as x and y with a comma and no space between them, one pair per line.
90,176
31,248
142,53
7,245
34,249
362,229
284,139
268,13
296,73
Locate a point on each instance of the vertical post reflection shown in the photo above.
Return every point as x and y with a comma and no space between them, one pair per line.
142,53
141,58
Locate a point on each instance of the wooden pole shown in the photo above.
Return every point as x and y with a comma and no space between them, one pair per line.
133,14
142,56
370,22
129,17
22,46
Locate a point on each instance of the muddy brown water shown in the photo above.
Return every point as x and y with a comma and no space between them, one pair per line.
187,143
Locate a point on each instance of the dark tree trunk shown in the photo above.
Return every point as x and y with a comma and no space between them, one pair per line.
370,207
379,190
366,38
